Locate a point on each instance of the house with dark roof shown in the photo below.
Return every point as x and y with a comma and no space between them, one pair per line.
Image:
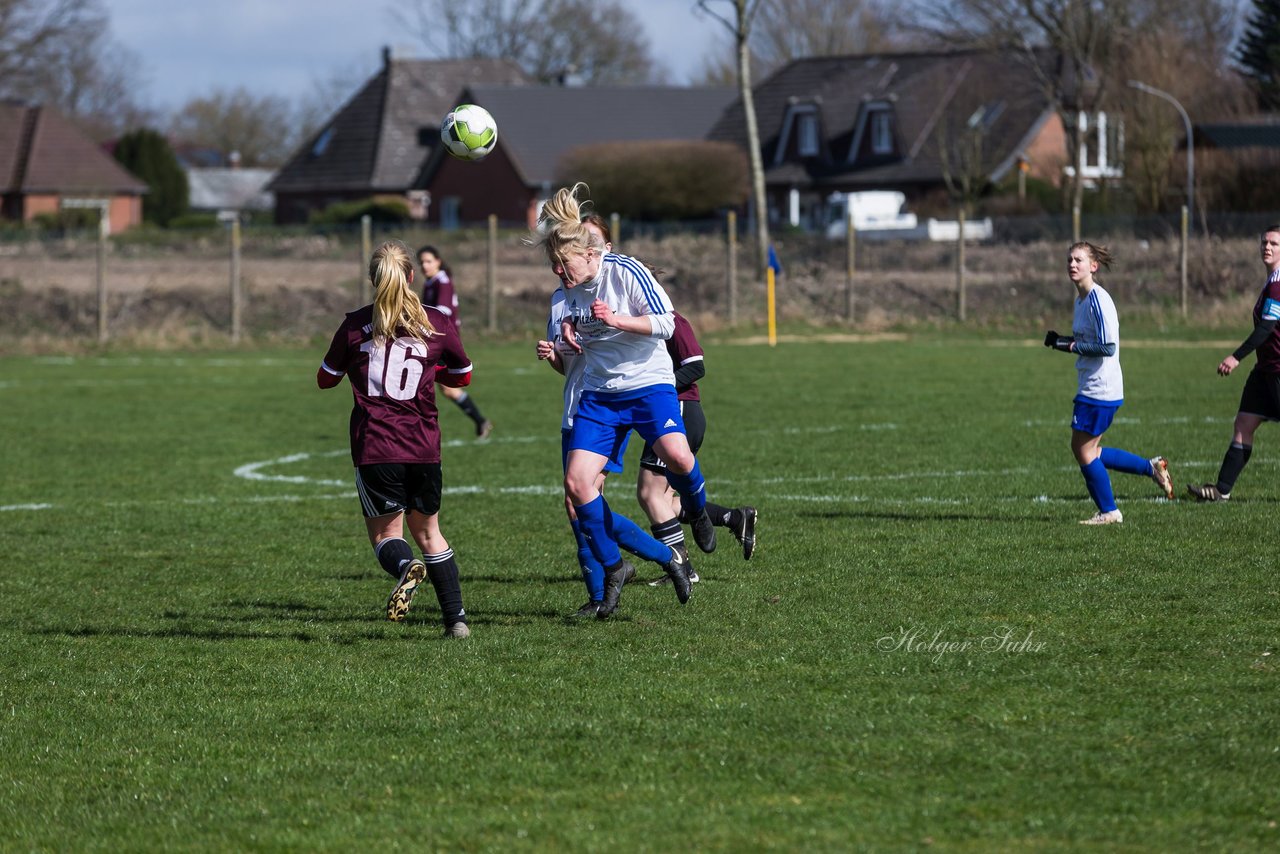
538,125
375,145
906,122
47,164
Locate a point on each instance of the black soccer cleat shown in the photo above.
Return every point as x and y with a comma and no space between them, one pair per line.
588,610
704,533
678,570
613,583
746,532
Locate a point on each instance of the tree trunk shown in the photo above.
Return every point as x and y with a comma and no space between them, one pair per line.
758,198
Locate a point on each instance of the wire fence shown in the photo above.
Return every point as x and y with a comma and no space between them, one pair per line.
263,282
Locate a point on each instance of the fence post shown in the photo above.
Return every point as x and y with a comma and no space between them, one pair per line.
1184,253
235,279
850,250
731,227
491,276
960,284
104,228
366,249
615,228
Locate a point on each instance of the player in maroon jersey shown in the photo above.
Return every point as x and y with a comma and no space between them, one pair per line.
394,352
1260,399
437,290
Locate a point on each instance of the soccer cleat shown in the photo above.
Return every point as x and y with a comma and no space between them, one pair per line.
1208,492
1113,517
704,533
1160,474
402,595
588,610
679,570
613,583
457,630
483,429
746,534
666,579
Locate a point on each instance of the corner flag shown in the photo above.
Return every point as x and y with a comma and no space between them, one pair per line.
774,263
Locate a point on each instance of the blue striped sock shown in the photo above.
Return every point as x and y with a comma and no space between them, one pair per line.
591,519
1118,460
592,571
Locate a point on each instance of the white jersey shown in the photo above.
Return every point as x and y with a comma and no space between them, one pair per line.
571,359
1096,322
618,361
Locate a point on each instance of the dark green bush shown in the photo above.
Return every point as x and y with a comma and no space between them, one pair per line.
664,180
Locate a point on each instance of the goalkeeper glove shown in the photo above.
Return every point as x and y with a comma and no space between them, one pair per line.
1058,342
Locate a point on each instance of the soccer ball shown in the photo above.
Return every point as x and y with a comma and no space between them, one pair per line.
469,132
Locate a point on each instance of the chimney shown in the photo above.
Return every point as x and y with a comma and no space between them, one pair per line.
386,56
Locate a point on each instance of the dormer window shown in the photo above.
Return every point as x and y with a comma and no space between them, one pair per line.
881,132
801,134
807,135
322,142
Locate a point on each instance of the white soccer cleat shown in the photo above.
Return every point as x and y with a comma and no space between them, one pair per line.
1160,474
1115,517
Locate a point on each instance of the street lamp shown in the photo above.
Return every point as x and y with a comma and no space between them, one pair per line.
1191,148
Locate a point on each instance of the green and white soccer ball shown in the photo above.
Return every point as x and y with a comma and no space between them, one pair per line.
469,132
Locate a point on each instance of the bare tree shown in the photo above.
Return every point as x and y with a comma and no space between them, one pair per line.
597,42
792,29
739,22
261,129
1070,46
59,52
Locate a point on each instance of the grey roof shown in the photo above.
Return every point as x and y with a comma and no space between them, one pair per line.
216,189
537,125
380,138
923,90
1257,132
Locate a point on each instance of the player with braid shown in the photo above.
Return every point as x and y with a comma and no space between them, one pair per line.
394,352
1095,339
1260,399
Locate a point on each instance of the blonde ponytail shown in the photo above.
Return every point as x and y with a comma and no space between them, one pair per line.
395,305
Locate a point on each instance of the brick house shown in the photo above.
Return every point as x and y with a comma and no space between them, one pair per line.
375,145
537,125
47,164
906,122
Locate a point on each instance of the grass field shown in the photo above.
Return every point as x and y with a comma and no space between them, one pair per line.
926,651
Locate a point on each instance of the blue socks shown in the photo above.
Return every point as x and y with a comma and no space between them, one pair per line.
592,571
636,540
594,522
1099,484
1118,460
692,489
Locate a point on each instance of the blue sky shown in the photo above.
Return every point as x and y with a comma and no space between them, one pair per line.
285,47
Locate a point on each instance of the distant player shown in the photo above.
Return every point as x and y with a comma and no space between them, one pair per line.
437,291
391,352
1095,340
1260,400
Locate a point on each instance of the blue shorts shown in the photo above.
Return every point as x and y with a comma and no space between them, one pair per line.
1093,417
653,412
613,465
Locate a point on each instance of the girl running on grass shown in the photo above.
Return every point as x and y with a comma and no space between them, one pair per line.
393,351
1095,339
